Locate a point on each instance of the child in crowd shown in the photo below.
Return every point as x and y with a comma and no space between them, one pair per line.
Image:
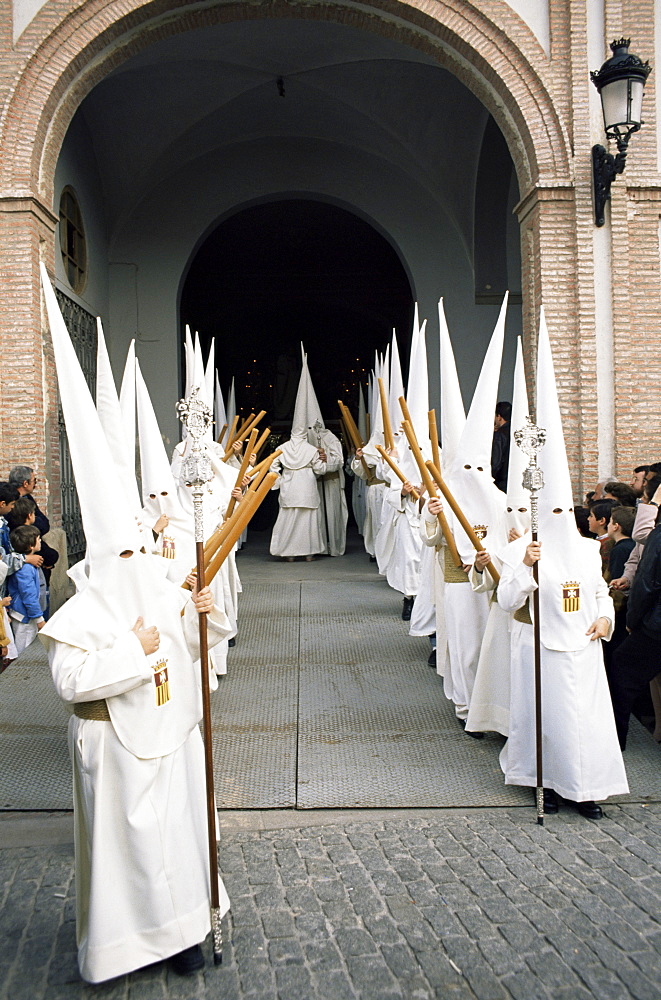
620,528
9,562
27,597
600,514
23,513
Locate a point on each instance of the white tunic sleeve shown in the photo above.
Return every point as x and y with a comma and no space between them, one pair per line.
218,627
515,586
83,675
430,528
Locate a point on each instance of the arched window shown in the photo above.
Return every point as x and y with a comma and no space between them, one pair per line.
72,241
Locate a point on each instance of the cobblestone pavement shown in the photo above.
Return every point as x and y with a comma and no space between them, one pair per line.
450,903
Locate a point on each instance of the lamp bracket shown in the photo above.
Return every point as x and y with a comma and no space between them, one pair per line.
605,168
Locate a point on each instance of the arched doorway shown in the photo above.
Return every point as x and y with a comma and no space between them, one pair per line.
289,271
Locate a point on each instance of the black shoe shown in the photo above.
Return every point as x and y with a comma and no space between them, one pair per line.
372,558
432,659
474,736
407,608
188,961
589,809
231,642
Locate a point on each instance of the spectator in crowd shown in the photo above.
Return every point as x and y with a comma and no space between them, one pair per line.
581,515
500,448
624,494
24,479
26,610
600,515
620,528
23,513
638,479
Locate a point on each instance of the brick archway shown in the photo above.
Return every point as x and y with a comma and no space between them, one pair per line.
68,49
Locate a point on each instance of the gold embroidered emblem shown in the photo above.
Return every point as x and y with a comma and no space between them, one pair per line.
168,550
571,597
481,530
162,683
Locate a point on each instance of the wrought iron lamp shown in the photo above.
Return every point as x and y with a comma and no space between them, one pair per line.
620,82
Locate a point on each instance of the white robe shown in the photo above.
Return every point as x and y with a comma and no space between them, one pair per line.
140,826
333,506
373,505
489,710
423,613
298,529
581,756
432,537
401,522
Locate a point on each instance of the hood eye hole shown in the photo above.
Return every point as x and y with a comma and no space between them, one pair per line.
523,510
480,469
509,510
164,493
126,554
152,496
143,550
557,510
467,467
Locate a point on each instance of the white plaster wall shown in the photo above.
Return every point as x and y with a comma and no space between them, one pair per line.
536,15
77,167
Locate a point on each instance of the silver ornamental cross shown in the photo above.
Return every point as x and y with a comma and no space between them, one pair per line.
531,440
196,470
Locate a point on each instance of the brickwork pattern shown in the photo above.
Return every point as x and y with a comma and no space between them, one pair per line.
483,905
540,103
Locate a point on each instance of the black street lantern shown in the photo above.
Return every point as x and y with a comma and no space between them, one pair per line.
620,82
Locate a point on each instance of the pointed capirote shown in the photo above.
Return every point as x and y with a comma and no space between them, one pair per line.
477,435
231,405
209,374
220,416
417,392
306,407
557,491
362,412
518,499
127,395
396,387
110,415
155,471
453,414
189,360
108,521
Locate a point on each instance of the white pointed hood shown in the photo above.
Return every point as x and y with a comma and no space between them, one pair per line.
362,414
518,499
110,414
297,453
189,361
396,389
159,490
231,406
209,374
219,408
127,396
470,476
118,589
417,400
453,414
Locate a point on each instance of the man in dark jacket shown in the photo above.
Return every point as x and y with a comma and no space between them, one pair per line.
24,479
638,660
500,447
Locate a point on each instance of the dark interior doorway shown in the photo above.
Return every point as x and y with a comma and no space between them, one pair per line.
295,270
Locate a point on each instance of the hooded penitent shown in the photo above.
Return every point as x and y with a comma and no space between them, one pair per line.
124,582
396,390
453,415
469,475
176,544
297,453
518,499
417,400
127,397
219,411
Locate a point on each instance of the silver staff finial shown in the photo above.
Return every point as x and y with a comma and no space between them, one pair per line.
196,417
531,440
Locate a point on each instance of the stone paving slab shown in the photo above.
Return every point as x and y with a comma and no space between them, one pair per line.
472,904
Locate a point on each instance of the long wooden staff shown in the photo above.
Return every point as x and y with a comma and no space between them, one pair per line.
197,418
461,517
262,440
395,468
530,439
241,428
232,431
431,490
219,439
265,462
387,426
245,511
354,434
245,462
243,434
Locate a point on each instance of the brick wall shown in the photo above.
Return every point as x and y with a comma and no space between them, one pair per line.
540,104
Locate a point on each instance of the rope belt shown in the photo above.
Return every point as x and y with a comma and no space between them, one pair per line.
523,614
452,573
95,710
331,475
376,482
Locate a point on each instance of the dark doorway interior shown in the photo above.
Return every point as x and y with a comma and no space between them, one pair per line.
295,270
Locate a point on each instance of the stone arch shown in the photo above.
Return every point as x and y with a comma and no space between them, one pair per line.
56,68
